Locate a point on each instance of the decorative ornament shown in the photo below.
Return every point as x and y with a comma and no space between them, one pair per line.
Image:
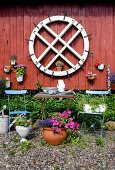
45,25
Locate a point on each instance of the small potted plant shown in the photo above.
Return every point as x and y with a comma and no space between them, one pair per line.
99,65
23,126
20,71
13,59
56,128
59,65
6,68
91,76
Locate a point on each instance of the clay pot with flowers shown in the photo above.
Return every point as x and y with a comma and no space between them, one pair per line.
100,66
20,71
56,128
59,65
91,76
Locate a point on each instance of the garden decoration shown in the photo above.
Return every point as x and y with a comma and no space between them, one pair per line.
100,66
91,76
61,86
59,65
56,128
20,71
4,121
108,78
110,125
59,55
13,60
6,68
23,126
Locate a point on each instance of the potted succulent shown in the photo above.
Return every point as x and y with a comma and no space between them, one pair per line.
91,76
23,126
20,71
6,68
99,65
56,128
59,65
13,59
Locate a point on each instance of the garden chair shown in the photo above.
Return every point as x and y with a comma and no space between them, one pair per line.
18,111
94,115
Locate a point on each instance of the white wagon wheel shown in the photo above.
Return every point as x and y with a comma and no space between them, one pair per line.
66,45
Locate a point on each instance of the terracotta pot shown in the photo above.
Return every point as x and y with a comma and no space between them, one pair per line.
53,138
91,77
59,68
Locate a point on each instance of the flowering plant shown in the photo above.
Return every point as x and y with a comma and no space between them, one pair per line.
13,58
97,63
6,68
22,120
20,69
60,120
90,73
112,78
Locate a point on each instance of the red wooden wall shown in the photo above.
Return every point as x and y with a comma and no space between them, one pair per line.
16,25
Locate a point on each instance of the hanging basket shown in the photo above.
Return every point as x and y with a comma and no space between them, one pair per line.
101,67
19,78
91,76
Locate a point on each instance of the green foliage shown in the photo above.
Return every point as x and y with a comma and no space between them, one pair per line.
2,84
59,63
38,85
72,138
22,121
20,71
53,105
100,141
26,145
13,58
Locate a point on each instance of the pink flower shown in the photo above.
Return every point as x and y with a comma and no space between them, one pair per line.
55,123
71,119
77,125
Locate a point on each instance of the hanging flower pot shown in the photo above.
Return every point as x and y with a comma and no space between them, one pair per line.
20,78
91,76
101,67
6,69
13,59
20,71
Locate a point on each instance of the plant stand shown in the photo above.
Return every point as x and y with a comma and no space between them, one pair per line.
23,132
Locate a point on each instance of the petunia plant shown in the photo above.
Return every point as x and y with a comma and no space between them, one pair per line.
60,120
